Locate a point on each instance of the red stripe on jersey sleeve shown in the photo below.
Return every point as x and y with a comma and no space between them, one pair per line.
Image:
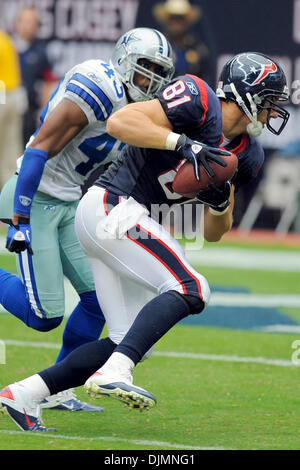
203,94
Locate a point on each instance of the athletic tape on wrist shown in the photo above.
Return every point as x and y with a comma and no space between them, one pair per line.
217,213
172,140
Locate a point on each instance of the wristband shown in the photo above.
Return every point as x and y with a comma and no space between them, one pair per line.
217,213
171,141
29,178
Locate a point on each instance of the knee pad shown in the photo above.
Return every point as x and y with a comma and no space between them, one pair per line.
194,303
43,324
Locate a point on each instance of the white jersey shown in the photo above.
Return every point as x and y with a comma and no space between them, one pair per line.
94,86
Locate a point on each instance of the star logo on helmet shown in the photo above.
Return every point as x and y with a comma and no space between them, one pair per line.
128,38
256,68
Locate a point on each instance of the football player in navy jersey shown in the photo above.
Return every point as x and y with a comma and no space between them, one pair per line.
131,255
68,145
250,89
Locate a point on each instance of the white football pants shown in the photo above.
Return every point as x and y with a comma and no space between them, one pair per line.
133,258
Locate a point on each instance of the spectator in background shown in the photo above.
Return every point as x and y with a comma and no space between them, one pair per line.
10,115
191,54
37,76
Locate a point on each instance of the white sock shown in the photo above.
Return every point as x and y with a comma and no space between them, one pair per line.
37,387
118,361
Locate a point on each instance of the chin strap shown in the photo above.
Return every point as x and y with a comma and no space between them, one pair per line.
254,128
134,93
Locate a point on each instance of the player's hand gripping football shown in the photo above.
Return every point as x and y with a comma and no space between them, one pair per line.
200,154
214,197
18,237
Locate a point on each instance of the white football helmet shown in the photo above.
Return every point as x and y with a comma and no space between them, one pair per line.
143,43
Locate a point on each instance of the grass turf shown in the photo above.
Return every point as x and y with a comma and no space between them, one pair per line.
201,403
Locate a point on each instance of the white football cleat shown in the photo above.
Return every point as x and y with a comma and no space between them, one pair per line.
121,388
68,401
16,401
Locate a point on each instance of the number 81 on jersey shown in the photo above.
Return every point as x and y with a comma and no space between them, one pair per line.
173,90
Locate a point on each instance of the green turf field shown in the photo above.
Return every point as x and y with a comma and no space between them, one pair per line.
217,387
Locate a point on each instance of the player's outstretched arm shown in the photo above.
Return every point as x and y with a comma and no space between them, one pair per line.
142,124
217,224
63,123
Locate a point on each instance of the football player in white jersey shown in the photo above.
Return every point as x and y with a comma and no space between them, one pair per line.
40,201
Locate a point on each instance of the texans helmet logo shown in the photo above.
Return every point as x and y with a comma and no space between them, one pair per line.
255,71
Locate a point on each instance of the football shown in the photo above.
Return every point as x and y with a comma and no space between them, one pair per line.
186,184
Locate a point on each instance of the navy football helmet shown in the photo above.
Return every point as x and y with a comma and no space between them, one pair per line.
255,82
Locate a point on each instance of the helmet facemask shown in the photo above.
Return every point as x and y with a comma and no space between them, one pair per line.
132,55
253,105
270,104
156,80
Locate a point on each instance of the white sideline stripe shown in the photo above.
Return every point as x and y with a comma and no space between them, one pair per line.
232,299
203,357
239,258
108,438
225,299
224,358
31,344
281,329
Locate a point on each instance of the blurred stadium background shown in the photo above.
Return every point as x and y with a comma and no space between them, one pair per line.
73,31
254,271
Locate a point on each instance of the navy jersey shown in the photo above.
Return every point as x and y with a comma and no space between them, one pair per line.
147,174
250,158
